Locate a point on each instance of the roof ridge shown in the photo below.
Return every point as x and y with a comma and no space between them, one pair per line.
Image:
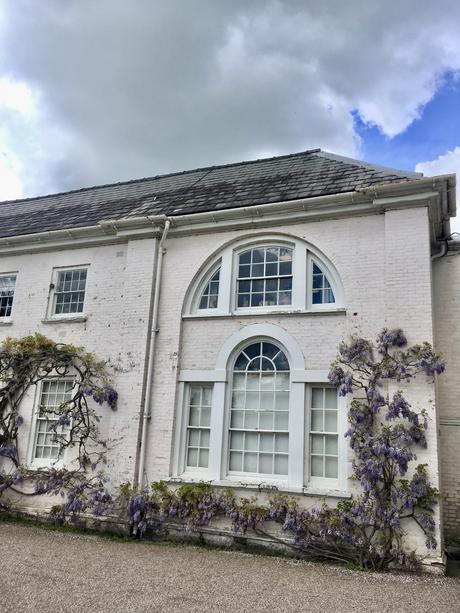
168,174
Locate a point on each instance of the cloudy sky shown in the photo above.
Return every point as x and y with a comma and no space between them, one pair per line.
95,91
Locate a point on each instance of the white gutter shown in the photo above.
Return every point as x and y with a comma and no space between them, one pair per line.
364,200
151,357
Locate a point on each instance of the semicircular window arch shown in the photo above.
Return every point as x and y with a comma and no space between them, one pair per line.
263,276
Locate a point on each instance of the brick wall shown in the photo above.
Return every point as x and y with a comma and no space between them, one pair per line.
117,309
384,263
446,292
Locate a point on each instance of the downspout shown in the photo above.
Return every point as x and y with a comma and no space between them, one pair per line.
151,355
443,251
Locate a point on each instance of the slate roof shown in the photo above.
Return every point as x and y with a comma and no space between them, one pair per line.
288,177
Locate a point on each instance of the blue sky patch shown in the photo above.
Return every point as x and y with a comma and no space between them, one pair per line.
437,131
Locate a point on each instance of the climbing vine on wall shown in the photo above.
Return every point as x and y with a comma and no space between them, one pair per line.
384,433
73,425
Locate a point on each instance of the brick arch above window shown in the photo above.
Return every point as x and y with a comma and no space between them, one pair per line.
270,273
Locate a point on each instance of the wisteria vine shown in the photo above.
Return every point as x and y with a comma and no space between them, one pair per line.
366,530
25,363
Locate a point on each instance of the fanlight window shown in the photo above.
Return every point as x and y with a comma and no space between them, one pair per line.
210,295
259,413
264,277
321,288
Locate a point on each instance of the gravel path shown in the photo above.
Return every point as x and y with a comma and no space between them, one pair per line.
51,571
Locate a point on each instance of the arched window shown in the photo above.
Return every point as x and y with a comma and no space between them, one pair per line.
268,274
259,412
260,418
210,296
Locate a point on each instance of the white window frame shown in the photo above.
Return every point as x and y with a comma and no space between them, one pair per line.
234,285
202,286
326,482
303,257
193,470
32,460
5,318
52,295
242,475
302,381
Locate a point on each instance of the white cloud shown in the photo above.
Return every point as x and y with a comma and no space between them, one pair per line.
122,93
445,164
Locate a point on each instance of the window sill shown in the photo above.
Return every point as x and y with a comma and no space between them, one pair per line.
265,312
65,320
6,322
263,486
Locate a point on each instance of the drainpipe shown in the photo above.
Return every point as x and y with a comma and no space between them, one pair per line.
151,355
442,252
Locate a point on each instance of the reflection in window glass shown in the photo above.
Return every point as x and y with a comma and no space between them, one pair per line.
259,414
264,277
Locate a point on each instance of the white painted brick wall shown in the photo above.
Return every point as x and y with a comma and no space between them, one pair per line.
446,292
117,308
384,264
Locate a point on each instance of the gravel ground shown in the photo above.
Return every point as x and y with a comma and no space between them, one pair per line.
51,571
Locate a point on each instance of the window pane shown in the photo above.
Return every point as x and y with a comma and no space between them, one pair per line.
281,442
331,398
236,461
266,442
266,463
331,468
266,420
192,457
331,445
250,463
330,421
317,443
281,464
259,427
316,466
317,397
237,440
203,458
250,419
237,419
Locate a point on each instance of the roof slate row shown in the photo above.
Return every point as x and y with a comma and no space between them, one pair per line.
290,177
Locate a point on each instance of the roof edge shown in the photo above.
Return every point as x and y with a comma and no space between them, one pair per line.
378,167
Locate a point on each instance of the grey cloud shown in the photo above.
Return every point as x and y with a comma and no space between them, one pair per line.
135,89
